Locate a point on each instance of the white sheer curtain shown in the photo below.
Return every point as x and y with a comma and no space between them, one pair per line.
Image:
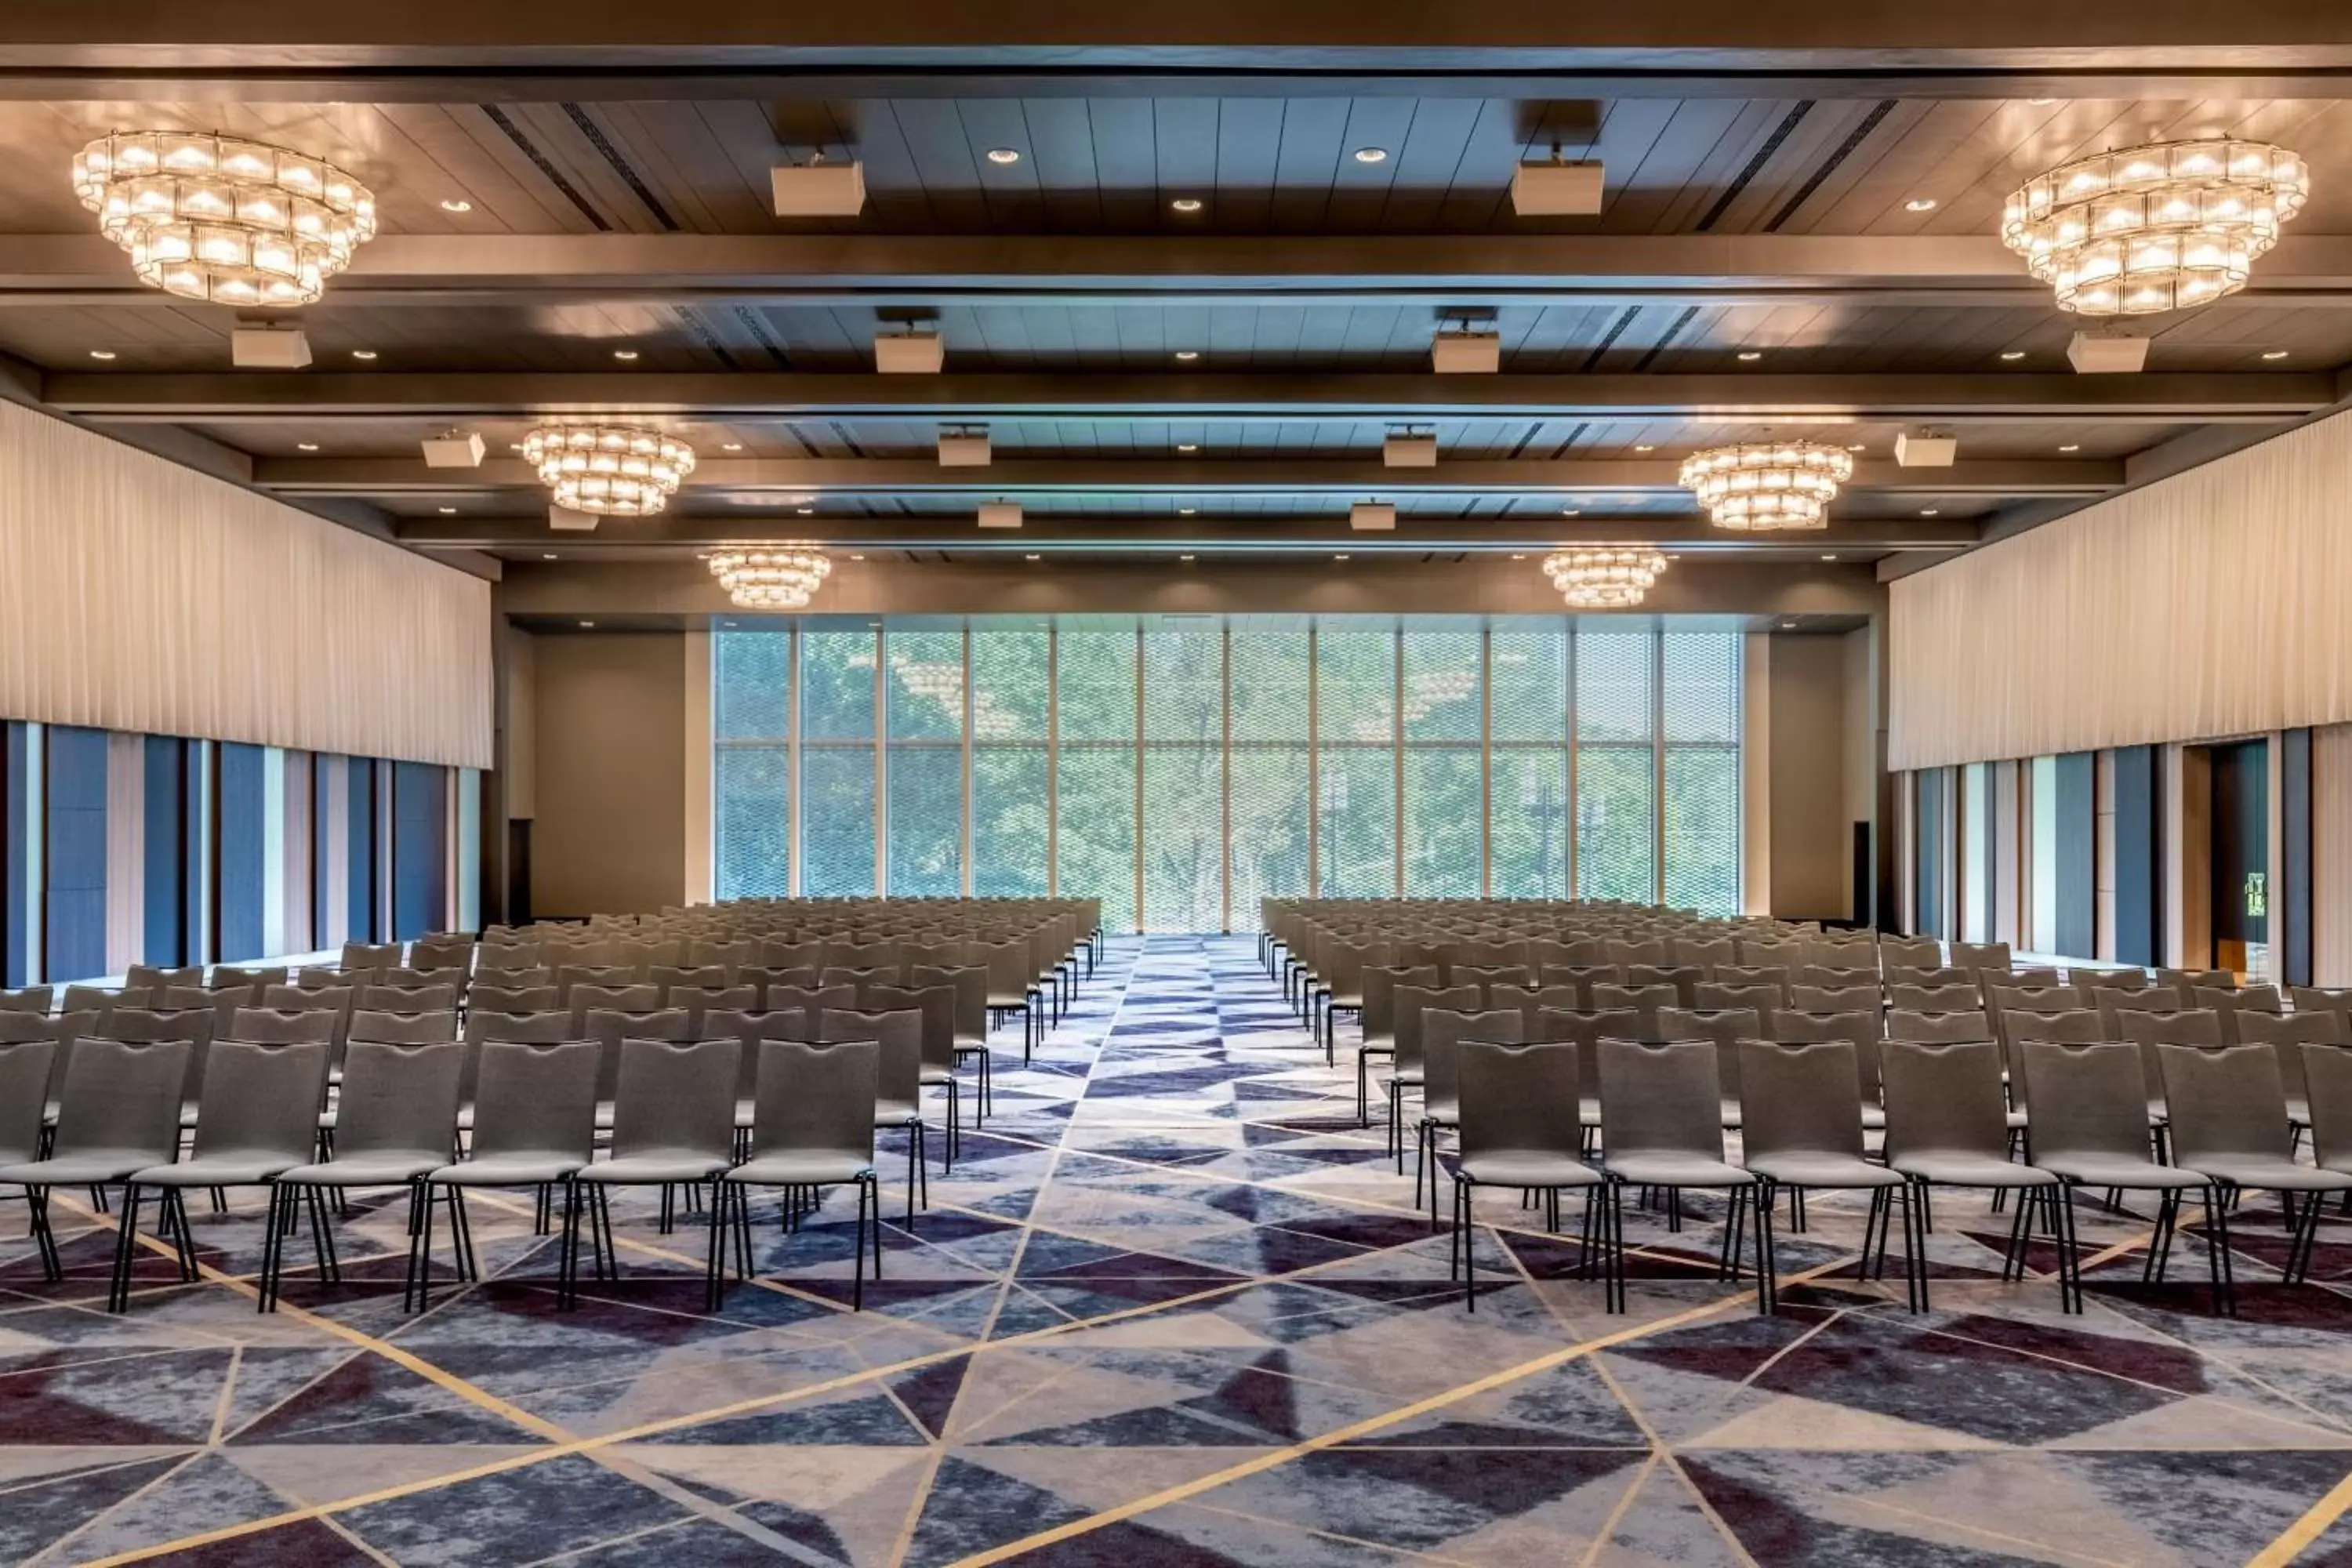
136,594
2210,604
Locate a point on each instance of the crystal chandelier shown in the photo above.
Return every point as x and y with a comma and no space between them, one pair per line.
1764,485
2158,227
222,220
769,576
612,471
1609,577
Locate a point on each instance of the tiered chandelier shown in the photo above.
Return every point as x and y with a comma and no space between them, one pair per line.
611,470
769,576
1761,485
1607,577
222,220
2158,227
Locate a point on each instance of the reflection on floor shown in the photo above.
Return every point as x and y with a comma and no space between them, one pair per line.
1172,1307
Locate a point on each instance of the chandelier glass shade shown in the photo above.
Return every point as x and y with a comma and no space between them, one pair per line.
1763,486
611,470
1606,577
222,220
769,576
2158,227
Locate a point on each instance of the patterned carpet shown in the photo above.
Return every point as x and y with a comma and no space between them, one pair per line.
1173,1307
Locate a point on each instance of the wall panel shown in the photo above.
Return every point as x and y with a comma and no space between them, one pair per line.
74,912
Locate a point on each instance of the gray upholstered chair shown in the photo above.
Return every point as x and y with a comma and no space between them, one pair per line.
2089,1109
1404,1076
118,1114
1806,998
1643,1000
280,1026
2097,980
1723,1029
1443,1030
26,1067
534,1126
29,999
1802,1128
500,998
936,1004
1719,996
1961,998
1519,1128
898,1104
1938,1028
2287,1035
585,999
970,982
1662,1127
609,1026
813,1128
1377,1023
673,1125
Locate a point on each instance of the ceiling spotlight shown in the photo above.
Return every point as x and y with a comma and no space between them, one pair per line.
363,353
456,205
1183,558
2071,446
101,353
1339,558
858,558
804,510
306,446
548,556
2039,102
1519,558
1920,204
625,354
1645,446
730,445
1372,155
1927,512
587,625
1188,355
2274,353
1188,446
2014,354
1829,557
1029,558
1186,204
1856,446
1186,510
448,511
1571,511
1004,155
1750,355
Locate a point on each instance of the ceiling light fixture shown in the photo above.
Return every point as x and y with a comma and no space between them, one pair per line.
1645,448
448,511
1187,510
1188,355
624,355
456,205
2163,227
1927,512
363,353
1188,446
1920,204
1029,558
609,470
101,353
1764,486
730,445
804,510
1372,155
1610,578
548,556
1005,155
1183,558
223,220
769,576
2071,446
306,446
587,625
2275,353
1186,204
1749,356
2012,354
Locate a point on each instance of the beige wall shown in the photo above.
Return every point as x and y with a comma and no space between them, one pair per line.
1809,786
609,833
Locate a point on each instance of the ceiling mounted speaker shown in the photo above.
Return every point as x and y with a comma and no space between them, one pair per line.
567,521
1467,354
1372,517
1556,190
1000,514
921,353
457,449
268,348
1409,452
1925,452
964,451
2092,354
818,190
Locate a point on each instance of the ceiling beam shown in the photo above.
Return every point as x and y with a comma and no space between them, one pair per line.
1443,272
312,397
1147,476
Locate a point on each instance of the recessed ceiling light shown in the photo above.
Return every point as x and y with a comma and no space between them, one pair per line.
1571,511
587,625
1183,558
2014,354
1188,446
1188,354
2275,353
448,511
1829,557
1927,512
806,510
548,556
1519,558
363,353
1751,353
1920,204
1186,510
858,558
1856,446
624,354
1672,557
1005,155
1339,558
2038,102
2071,446
1186,204
306,446
101,353
1029,558
1372,155
1645,448
456,205
1788,626
730,445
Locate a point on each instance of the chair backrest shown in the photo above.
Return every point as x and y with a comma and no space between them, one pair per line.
405,1028
153,977
2113,1004
818,1098
1800,1098
1985,955
1643,1000
1723,1028
97,999
24,1070
1519,1099
123,1095
2150,1031
1443,1030
2080,1028
361,956
1684,979
936,1004
970,983
701,976
1970,1024
2109,979
697,1000
2086,1100
514,999
587,999
1717,996
1661,1098
2288,1035
1859,1029
194,1026
1933,998
1944,1096
2325,1072
407,998
2224,1101
2322,999
899,1039
2186,979
536,1099
1412,1001
274,1026
262,1099
609,1026
511,1029
1805,998
2233,1006
1584,978
1381,983
676,1097
30,999
255,981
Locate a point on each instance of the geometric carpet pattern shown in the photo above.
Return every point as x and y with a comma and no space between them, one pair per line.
1173,1306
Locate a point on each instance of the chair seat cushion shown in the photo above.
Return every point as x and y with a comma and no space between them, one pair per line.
938,1077
1822,1168
376,1168
231,1168
964,1042
897,1113
91,1167
803,1168
1668,1168
1966,1168
1444,1113
506,1171
1006,999
2271,1173
1528,1168
2120,1171
651,1167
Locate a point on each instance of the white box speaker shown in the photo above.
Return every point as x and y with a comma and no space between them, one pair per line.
818,190
2093,354
1467,354
916,354
455,451
268,348
567,521
963,452
1000,514
1556,190
1924,451
1371,516
1409,452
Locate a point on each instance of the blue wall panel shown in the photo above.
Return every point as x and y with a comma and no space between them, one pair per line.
1929,884
323,847
420,849
2140,847
75,859
238,887
2078,855
165,852
361,784
15,938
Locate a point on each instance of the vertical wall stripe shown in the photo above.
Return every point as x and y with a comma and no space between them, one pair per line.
1755,775
332,821
385,850
273,850
74,933
16,880
2138,850
2293,930
163,878
296,894
242,855
2009,854
2331,855
126,850
1928,834
359,845
419,844
2102,849
697,741
202,840
468,893
2077,847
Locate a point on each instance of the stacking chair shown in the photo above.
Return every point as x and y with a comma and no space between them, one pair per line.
1684,980
405,1028
701,977
2325,1072
227,977
750,1030
1714,997
1518,1127
936,1005
1642,1001
151,977
815,1128
810,1001
1443,1030
488,998
2149,1031
2109,979
2089,1106
1723,1028
26,1067
698,1000
534,1126
586,999
2231,1007
1805,998
1947,1126
1377,1024
359,956
1012,989
2288,1035
1662,1126
1937,1028
970,983
258,1119
2227,1107
2184,980
1934,998
118,1114
2113,1004
2322,999
898,1103
1802,1114
1584,978
673,1125
278,1026
31,999
383,998
608,1027
1405,1069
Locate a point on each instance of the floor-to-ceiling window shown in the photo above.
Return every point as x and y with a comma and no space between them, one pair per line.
1181,768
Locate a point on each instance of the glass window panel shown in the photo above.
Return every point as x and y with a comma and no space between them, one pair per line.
1442,816
1095,838
752,677
1355,679
1613,684
1008,821
1355,821
1269,682
926,821
1008,683
926,687
1702,828
1443,688
1528,668
1183,684
1095,685
1269,823
837,821
1700,696
753,823
1183,796
837,684
1530,822
1615,847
